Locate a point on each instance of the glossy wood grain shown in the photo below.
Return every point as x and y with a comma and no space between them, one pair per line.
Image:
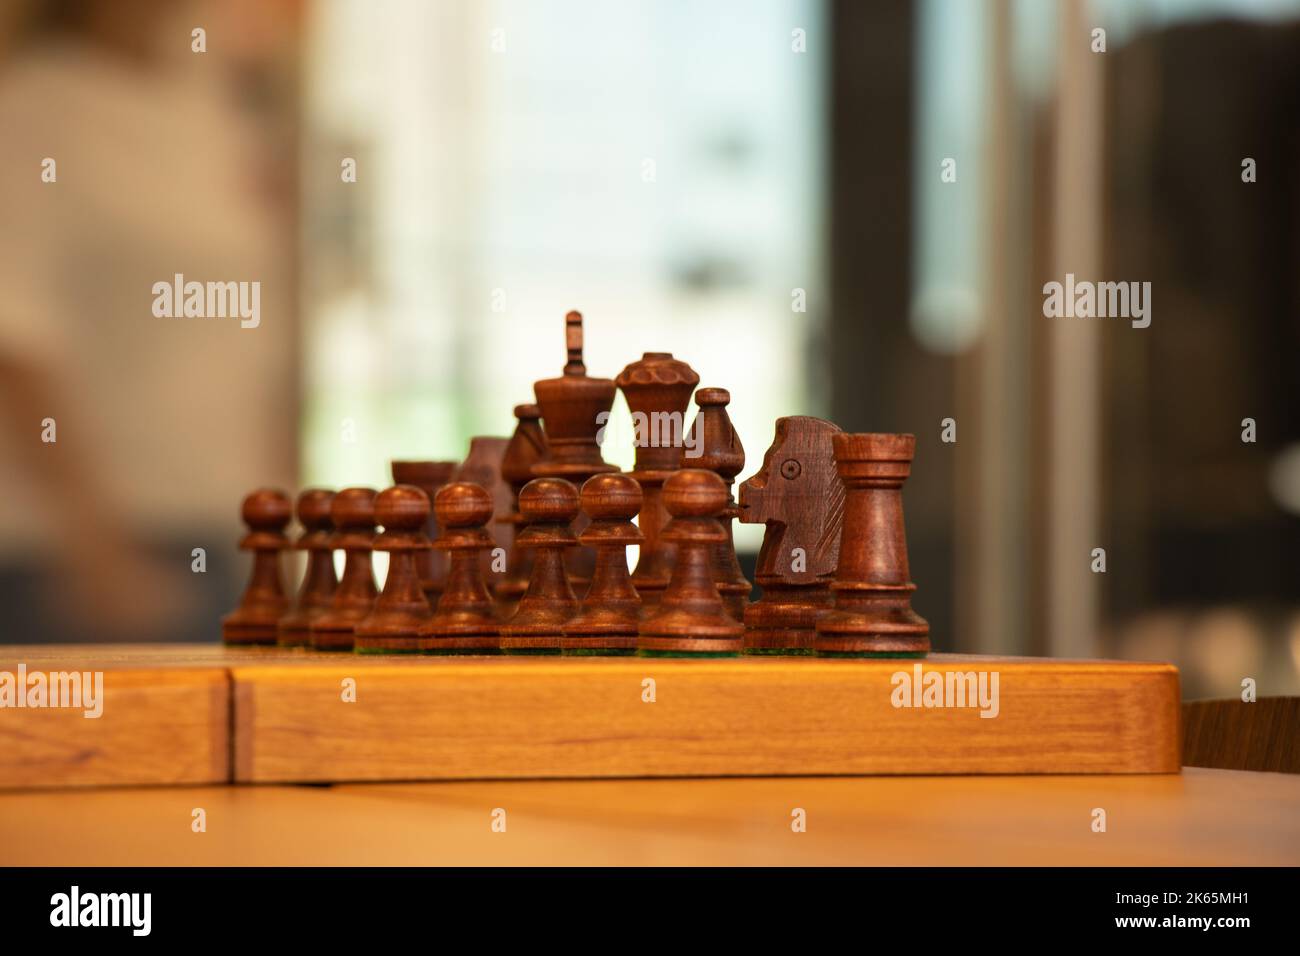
1262,734
589,717
168,725
425,717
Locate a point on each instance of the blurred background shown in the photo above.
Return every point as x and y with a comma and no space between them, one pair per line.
827,207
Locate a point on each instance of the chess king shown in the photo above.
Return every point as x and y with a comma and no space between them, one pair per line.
800,498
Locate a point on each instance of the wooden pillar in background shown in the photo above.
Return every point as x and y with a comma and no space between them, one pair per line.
1073,382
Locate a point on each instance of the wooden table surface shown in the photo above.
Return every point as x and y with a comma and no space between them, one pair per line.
1199,817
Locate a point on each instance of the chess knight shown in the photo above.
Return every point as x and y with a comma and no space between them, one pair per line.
800,498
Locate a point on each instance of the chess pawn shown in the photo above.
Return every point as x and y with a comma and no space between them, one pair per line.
549,506
691,619
607,621
401,610
574,407
527,446
798,495
266,512
873,615
353,514
482,467
463,622
428,476
717,448
658,389
318,581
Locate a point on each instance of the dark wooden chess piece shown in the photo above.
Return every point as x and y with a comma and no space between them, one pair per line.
873,614
549,506
691,619
607,621
574,407
799,497
428,476
266,512
527,446
401,610
482,467
318,580
715,446
353,514
463,622
657,389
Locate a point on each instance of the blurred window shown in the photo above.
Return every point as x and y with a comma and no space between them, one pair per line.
657,165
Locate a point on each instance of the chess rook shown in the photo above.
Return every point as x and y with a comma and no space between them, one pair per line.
691,619
428,476
353,514
721,453
266,513
607,622
574,407
463,622
799,497
318,580
873,615
401,610
549,505
657,389
527,446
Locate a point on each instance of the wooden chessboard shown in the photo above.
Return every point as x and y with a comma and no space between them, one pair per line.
181,714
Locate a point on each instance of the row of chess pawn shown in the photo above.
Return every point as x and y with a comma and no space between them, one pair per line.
833,567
